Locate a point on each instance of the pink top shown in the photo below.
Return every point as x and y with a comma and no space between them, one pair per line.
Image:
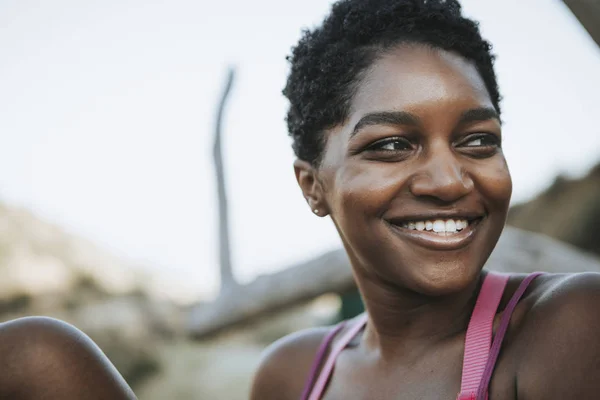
480,353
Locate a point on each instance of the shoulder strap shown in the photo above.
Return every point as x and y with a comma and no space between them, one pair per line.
327,369
482,393
479,333
479,359
319,359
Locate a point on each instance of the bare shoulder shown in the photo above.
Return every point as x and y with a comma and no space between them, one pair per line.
559,339
32,337
568,299
285,365
28,338
45,328
46,355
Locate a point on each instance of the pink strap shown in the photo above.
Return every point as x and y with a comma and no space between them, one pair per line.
479,334
482,393
335,351
321,352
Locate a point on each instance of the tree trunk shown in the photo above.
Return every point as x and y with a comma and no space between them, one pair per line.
227,278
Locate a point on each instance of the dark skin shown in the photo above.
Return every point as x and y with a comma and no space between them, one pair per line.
46,359
421,140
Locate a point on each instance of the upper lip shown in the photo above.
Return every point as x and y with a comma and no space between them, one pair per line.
432,216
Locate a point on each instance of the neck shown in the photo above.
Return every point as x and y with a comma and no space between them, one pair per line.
403,321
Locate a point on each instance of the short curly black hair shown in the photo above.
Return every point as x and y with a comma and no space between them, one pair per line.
329,61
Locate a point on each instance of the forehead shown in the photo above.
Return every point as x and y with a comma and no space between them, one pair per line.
414,77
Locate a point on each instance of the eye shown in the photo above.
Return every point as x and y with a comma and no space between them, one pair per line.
393,144
481,140
480,145
390,149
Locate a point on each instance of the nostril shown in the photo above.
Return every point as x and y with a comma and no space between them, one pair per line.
445,188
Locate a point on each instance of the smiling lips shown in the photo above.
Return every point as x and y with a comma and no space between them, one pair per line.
438,234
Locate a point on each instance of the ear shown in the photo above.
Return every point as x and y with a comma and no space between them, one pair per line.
306,175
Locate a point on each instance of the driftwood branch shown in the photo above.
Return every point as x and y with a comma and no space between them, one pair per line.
517,251
588,14
274,292
226,270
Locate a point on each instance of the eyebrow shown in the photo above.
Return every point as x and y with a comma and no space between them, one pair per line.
478,115
386,118
406,118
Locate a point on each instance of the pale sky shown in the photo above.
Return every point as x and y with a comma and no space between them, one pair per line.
107,113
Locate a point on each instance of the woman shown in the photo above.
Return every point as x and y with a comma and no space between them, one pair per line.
395,119
46,359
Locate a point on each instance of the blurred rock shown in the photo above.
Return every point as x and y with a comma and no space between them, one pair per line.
568,211
37,257
46,271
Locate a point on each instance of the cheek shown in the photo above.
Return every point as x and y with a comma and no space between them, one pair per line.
366,189
495,183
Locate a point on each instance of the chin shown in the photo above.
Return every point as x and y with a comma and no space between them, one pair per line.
438,274
445,278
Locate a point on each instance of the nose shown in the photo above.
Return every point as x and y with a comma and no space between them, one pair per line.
442,178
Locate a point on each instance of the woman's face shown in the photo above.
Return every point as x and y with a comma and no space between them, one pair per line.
415,179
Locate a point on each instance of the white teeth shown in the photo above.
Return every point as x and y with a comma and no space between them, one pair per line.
450,226
438,226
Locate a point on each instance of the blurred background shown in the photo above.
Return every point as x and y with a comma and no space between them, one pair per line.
109,208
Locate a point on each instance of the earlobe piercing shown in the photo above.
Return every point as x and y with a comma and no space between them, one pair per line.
316,211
